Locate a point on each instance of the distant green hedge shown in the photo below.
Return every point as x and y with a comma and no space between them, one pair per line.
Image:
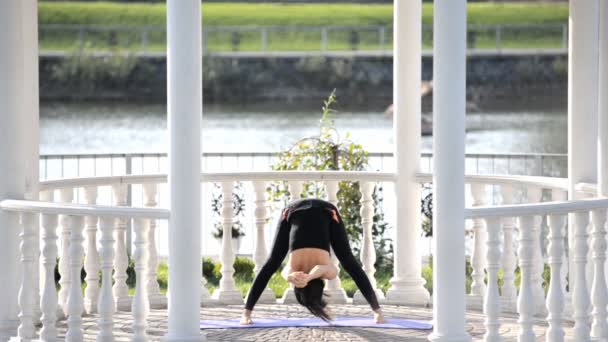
112,13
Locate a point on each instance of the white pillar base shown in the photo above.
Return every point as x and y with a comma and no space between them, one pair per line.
408,293
228,297
124,304
158,301
289,297
359,299
196,338
436,338
336,296
268,297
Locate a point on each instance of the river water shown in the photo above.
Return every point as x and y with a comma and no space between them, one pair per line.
125,127
122,127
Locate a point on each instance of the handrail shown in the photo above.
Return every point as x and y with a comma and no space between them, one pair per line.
556,207
222,176
83,209
545,182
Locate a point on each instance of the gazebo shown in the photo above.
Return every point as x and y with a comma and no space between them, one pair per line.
31,212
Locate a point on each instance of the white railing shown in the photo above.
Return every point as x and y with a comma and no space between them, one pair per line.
491,227
566,297
72,218
59,166
264,38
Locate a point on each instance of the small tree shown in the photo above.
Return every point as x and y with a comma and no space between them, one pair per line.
327,151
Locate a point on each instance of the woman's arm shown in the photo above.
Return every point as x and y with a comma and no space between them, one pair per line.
301,279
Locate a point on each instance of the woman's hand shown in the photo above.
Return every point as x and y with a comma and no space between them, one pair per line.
379,316
298,279
246,318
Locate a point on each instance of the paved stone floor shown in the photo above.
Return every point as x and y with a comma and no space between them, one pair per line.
158,325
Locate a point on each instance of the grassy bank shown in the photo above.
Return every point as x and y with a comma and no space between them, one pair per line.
307,15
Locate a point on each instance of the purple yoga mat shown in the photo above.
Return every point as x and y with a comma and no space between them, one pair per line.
393,323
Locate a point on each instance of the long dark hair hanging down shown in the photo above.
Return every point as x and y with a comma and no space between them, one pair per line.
311,297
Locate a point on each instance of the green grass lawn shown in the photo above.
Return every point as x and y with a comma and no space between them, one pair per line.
294,39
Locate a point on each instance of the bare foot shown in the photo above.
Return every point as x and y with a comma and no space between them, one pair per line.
379,317
246,318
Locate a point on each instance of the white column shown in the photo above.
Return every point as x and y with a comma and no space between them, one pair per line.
580,292
582,93
509,259
91,261
555,296
334,289
121,258
48,302
407,285
449,78
15,123
157,299
491,303
478,257
602,153
227,293
184,104
260,253
140,306
106,305
66,195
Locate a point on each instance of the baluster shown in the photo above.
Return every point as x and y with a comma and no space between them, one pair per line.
75,303
491,305
508,290
534,196
368,250
260,253
227,292
27,330
48,300
555,296
91,264
334,289
599,326
478,262
580,297
289,297
106,305
65,196
157,299
525,301
140,306
121,259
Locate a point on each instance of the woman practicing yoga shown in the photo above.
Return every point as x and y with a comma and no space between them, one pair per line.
306,229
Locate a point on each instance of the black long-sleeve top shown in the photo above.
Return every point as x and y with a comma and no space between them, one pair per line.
307,223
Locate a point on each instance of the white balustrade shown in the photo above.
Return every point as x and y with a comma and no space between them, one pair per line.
106,304
555,296
91,264
334,289
509,260
478,258
599,292
260,253
368,250
140,305
27,330
227,293
525,302
75,302
66,195
121,259
289,297
491,306
534,196
156,298
580,298
48,300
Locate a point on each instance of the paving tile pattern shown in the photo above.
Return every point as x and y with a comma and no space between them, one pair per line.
158,325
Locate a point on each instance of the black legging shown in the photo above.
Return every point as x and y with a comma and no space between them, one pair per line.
301,228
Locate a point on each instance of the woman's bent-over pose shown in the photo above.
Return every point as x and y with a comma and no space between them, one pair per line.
306,230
